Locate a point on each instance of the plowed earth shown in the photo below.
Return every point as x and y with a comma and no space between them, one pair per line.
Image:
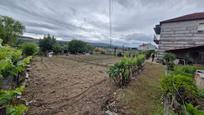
69,85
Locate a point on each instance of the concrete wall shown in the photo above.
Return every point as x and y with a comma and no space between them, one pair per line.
179,35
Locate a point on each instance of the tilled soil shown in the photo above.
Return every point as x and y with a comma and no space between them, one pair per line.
69,85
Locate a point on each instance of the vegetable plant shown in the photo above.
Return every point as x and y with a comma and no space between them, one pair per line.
122,71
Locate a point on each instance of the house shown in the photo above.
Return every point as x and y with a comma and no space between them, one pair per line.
183,36
146,46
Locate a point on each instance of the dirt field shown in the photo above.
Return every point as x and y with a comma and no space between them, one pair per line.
69,85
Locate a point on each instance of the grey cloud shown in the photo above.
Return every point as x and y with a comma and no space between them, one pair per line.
87,20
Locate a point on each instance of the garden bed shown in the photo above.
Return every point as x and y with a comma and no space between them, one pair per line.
69,85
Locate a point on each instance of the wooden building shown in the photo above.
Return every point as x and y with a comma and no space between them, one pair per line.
183,36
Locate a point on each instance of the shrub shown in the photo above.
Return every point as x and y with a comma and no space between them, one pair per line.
57,48
120,54
122,71
169,57
29,49
77,46
169,60
11,60
11,53
180,88
148,53
172,83
191,110
90,48
16,110
6,96
46,44
6,68
99,50
187,70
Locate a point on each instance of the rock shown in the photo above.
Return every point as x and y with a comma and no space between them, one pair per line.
30,102
26,75
108,112
53,91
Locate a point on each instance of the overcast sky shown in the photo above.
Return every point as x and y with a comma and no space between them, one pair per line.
88,20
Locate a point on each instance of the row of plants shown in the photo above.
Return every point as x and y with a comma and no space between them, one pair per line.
13,63
122,71
179,88
9,102
14,59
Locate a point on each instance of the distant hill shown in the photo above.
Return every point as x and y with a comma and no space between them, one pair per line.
102,45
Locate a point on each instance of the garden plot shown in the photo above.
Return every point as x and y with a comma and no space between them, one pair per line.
69,85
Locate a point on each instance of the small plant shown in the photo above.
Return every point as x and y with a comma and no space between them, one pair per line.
29,49
169,60
179,87
7,96
7,52
123,70
187,70
16,110
6,68
172,83
191,110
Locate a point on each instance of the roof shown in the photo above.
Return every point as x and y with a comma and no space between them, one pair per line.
189,17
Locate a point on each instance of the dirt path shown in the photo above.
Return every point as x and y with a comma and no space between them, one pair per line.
143,95
68,85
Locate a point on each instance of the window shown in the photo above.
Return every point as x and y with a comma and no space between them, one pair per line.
201,27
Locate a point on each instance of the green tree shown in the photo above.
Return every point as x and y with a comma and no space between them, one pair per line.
57,48
29,49
10,29
46,44
77,46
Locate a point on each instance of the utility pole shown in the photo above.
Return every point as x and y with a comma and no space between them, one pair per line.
110,22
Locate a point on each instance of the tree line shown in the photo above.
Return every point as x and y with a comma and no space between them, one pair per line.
11,30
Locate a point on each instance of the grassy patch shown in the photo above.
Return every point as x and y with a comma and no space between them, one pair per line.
143,96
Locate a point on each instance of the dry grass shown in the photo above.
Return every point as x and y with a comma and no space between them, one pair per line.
143,96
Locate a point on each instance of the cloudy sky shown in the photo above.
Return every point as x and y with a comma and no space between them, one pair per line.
88,20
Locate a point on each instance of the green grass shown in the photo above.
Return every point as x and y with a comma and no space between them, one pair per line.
143,96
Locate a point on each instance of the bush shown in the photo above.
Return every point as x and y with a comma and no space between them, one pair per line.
16,110
180,89
122,71
120,54
148,53
57,48
172,83
46,44
77,46
29,49
169,57
99,50
191,110
11,53
169,60
187,70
